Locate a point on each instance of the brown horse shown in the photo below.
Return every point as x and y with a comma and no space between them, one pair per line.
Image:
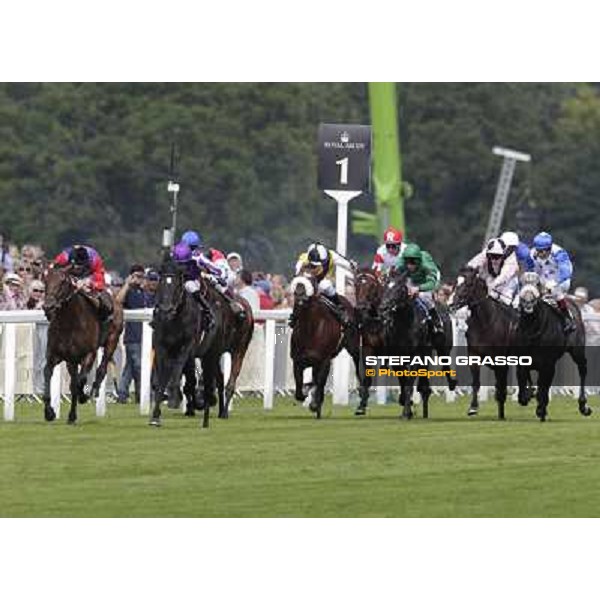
369,289
317,338
74,337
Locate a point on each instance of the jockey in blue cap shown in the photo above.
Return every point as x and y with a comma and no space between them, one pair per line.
553,265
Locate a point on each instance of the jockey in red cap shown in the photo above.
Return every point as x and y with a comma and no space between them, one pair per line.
390,251
86,266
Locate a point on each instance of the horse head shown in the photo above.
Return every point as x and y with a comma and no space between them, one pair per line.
368,291
529,294
170,293
395,298
470,289
303,288
60,288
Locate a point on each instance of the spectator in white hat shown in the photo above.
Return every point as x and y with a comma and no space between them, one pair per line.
12,297
235,262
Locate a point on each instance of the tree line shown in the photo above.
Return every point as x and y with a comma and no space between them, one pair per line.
89,162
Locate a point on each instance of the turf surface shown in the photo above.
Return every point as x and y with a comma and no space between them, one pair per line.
285,463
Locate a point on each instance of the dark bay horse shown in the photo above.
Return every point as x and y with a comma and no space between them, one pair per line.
541,335
230,334
406,334
317,338
492,330
74,337
178,332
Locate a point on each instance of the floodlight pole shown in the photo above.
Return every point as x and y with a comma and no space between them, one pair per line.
503,188
173,188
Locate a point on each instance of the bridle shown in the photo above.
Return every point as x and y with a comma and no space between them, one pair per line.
53,303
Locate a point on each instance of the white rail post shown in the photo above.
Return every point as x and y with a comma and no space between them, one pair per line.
146,370
56,390
269,363
101,400
10,353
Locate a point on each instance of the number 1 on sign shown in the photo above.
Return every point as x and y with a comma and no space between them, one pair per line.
343,162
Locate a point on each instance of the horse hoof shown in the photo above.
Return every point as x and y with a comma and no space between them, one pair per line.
472,412
585,410
452,384
223,415
360,412
155,423
406,416
49,414
72,422
189,413
313,407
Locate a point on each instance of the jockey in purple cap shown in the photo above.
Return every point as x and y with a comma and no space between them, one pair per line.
182,255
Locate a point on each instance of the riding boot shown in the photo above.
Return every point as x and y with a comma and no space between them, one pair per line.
206,309
293,319
568,321
238,310
436,321
340,310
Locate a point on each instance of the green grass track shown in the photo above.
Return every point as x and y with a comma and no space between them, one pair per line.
285,463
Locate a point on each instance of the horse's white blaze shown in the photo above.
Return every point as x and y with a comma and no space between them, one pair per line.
391,284
460,280
169,280
301,280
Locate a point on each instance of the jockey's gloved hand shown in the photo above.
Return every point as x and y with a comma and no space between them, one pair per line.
354,265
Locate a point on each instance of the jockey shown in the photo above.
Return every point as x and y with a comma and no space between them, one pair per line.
88,269
553,265
499,269
423,277
320,262
213,264
388,253
182,255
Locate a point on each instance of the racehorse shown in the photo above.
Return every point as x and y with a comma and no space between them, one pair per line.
317,337
368,290
74,337
230,334
541,335
492,328
178,330
407,334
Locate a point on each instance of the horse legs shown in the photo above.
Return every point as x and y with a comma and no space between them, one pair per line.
73,369
578,355
424,390
220,380
320,373
406,392
364,382
86,367
501,379
189,389
51,362
523,380
546,375
475,384
210,368
159,384
299,379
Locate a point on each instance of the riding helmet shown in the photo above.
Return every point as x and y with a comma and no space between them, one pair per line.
78,255
412,252
182,252
392,236
542,241
192,238
496,247
317,254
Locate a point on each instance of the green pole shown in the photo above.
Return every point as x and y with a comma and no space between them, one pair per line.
387,175
387,170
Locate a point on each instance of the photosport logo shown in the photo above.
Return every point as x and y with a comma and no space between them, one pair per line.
388,369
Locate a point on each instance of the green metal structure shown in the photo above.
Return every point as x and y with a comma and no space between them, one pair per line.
387,168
